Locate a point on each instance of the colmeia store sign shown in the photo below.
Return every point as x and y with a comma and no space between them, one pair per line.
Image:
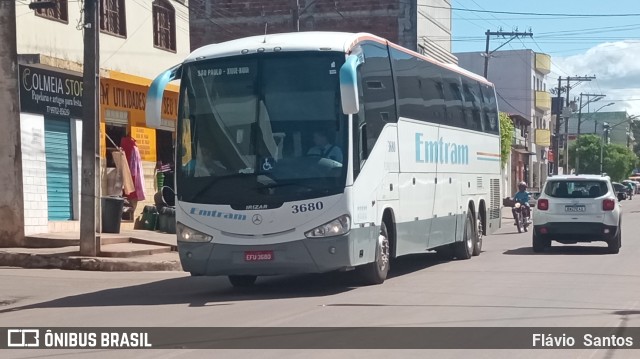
50,92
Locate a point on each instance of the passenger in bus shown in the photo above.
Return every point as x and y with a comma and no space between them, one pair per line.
324,148
206,165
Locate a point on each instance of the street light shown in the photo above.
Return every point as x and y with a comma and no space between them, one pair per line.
606,129
578,136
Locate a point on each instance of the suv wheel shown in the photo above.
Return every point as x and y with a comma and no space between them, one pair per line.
614,244
539,244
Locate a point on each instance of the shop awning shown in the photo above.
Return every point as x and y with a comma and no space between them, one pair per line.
523,151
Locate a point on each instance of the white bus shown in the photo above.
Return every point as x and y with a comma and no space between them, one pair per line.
319,151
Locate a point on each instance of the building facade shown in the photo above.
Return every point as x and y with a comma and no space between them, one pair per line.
420,25
593,123
519,78
138,40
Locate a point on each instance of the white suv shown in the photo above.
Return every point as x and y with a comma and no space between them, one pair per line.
582,208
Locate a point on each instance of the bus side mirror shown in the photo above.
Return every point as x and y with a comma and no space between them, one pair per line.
349,85
153,108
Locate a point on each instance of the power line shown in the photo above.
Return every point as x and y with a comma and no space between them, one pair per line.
530,13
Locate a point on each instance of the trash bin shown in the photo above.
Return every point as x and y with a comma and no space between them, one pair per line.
150,217
111,214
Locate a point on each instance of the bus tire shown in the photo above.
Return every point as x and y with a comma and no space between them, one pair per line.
242,281
477,243
376,271
445,253
464,248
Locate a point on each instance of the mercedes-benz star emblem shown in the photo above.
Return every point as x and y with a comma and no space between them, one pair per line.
257,219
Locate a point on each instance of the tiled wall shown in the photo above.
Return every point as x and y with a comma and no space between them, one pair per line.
34,174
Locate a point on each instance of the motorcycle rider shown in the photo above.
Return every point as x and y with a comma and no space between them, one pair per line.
522,197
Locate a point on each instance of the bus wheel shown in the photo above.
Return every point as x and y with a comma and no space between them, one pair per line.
477,243
376,271
241,281
445,253
464,248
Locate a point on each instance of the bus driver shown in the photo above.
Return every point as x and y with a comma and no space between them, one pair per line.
324,148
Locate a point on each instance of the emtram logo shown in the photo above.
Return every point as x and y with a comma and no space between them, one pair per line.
440,151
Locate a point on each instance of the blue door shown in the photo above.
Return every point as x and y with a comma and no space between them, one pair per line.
57,144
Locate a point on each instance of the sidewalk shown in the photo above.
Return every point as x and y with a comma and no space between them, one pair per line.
130,250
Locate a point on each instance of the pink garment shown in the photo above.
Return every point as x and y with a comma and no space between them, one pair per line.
135,165
128,145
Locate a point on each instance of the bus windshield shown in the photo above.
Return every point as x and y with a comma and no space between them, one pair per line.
260,129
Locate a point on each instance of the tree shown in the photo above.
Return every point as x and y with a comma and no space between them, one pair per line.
589,148
618,162
506,137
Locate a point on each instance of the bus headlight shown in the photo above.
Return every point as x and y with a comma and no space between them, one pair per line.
186,234
338,226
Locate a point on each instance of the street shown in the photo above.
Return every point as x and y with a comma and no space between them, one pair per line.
507,285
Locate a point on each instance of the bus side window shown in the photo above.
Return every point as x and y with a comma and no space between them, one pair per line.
454,100
377,91
360,148
377,101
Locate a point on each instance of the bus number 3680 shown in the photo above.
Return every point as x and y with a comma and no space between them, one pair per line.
306,207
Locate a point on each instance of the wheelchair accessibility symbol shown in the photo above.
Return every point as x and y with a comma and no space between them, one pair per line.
266,166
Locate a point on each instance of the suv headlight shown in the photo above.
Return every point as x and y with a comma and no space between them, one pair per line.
186,234
338,226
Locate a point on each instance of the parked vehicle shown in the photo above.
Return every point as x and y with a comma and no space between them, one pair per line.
565,213
533,198
622,192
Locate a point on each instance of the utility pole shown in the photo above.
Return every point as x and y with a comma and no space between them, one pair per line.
556,146
90,190
598,97
296,15
12,197
488,33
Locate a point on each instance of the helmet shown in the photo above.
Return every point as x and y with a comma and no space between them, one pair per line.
522,186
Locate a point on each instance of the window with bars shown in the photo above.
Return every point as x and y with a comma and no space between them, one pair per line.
59,12
164,25
112,18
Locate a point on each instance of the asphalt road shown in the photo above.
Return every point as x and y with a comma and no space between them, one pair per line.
507,285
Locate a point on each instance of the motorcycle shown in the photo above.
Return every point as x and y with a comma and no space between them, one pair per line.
522,220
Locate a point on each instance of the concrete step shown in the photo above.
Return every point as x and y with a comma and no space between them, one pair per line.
54,240
128,250
114,240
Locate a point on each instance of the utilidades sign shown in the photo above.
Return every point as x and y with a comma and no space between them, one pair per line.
49,92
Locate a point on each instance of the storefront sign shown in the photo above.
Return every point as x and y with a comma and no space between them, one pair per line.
103,140
146,141
129,97
49,92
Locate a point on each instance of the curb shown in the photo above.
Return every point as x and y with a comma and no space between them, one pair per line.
29,260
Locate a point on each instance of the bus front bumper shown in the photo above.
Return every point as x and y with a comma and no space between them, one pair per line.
309,255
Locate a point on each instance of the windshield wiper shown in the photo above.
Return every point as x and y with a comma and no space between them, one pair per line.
286,184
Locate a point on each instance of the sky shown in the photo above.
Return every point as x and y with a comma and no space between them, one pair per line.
583,38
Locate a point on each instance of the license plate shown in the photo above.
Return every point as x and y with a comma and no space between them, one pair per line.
576,208
256,256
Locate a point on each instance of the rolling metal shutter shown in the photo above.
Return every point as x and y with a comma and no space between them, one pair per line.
57,142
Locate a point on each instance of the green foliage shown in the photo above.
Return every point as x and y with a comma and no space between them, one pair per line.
506,137
618,162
